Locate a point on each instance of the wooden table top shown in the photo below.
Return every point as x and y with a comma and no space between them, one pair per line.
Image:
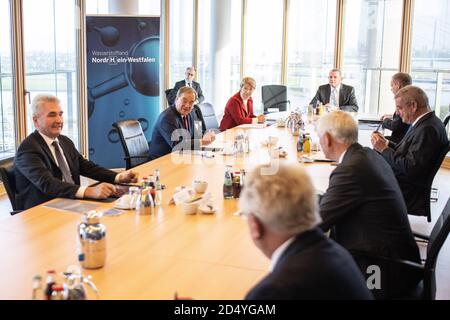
152,257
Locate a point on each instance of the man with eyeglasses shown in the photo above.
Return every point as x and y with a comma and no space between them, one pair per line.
335,94
187,82
176,127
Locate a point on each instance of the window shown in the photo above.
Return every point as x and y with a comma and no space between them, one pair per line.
51,57
219,50
430,54
263,44
97,7
181,38
371,45
7,128
310,54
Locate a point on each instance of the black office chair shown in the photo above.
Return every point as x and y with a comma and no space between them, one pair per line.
446,120
432,193
170,96
426,289
274,98
209,116
134,143
8,176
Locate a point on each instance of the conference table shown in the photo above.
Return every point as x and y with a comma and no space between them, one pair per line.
155,256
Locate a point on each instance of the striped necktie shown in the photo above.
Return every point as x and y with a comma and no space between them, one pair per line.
67,176
186,123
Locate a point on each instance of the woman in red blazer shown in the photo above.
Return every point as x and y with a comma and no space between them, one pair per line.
239,108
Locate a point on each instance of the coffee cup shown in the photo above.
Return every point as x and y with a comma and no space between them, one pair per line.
200,186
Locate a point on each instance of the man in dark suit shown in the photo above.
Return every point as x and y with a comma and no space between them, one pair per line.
336,95
419,153
187,82
393,122
47,164
282,216
364,207
176,128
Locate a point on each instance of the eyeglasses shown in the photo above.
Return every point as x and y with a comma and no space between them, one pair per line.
190,74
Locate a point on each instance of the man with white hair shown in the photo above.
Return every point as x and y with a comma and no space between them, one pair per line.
364,206
48,166
281,211
417,157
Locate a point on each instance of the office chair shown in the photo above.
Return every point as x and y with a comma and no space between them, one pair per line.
170,96
134,143
432,194
209,116
426,289
8,177
446,120
274,98
434,191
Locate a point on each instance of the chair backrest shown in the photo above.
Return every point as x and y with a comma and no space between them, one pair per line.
8,177
134,143
446,120
274,98
437,238
209,115
170,96
433,172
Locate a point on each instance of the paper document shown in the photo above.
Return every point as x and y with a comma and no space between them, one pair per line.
252,126
71,205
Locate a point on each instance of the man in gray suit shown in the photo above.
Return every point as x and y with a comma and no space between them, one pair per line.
187,82
335,94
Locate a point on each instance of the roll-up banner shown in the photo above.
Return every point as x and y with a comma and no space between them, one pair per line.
123,80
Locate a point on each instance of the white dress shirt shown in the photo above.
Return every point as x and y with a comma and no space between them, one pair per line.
278,252
336,90
80,192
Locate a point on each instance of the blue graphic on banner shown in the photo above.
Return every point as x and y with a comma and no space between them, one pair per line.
123,80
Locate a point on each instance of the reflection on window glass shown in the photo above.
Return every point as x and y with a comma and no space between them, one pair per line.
97,7
430,54
371,51
51,57
181,38
150,7
310,54
7,128
263,43
219,53
204,68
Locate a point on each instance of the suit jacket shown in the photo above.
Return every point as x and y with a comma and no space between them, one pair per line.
397,126
168,121
235,114
365,207
181,84
347,99
312,267
414,159
38,177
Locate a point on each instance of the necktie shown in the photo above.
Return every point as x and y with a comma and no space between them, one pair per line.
186,123
188,84
67,176
333,97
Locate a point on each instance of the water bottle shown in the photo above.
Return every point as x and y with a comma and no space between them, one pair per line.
92,241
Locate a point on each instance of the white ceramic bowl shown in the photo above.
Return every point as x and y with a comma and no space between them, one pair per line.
190,207
200,186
